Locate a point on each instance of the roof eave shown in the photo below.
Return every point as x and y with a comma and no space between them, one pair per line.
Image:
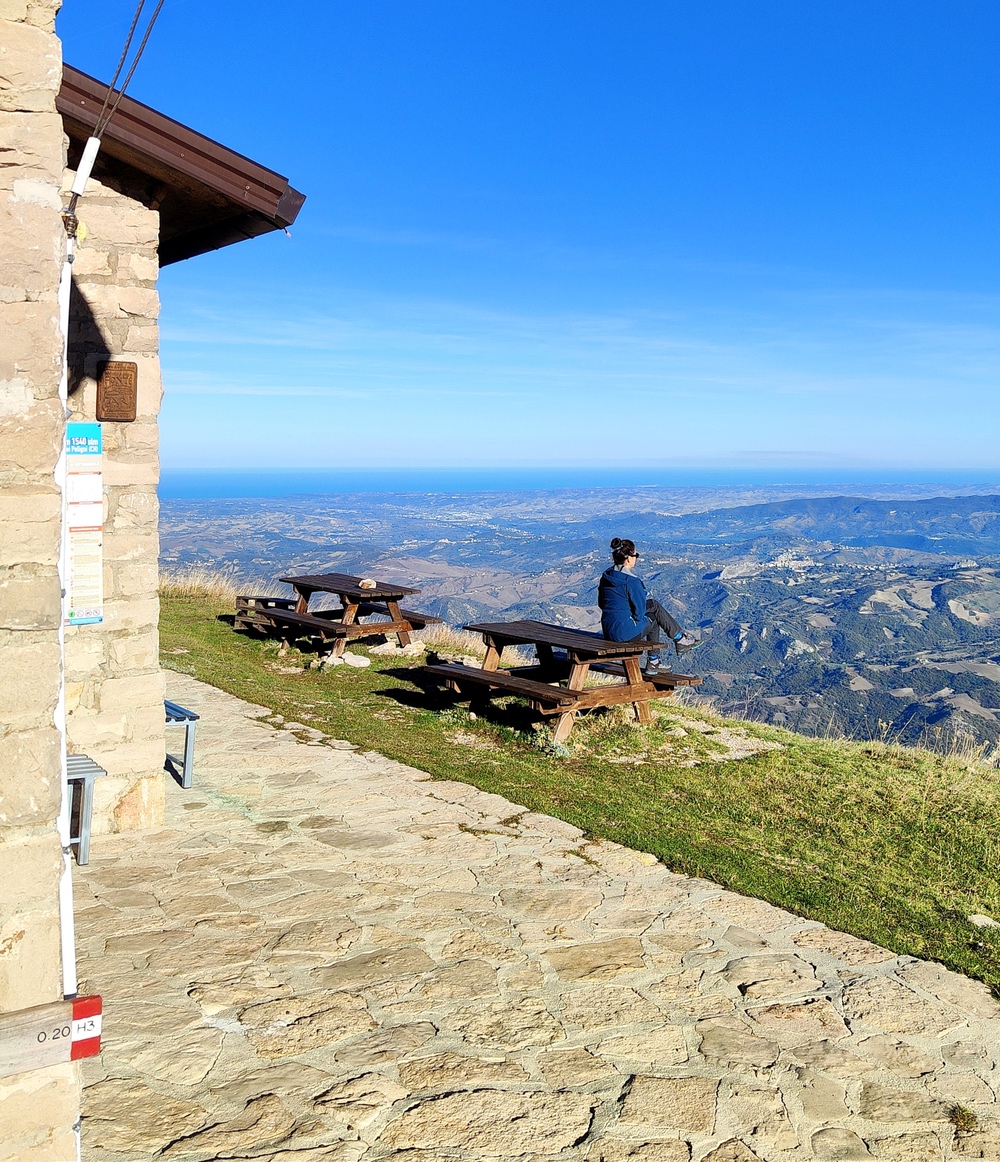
140,137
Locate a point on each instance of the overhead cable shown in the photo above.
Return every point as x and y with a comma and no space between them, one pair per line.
112,99
121,62
102,121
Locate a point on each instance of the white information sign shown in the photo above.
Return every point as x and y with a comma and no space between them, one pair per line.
85,524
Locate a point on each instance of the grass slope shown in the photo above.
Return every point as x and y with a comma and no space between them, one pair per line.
893,845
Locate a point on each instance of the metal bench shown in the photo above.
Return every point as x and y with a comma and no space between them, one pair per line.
81,770
179,716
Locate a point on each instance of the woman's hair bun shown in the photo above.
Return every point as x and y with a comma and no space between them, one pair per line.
621,549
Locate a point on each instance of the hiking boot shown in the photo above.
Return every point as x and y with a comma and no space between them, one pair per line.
686,642
652,666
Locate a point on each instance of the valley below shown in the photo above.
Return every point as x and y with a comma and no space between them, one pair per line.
870,617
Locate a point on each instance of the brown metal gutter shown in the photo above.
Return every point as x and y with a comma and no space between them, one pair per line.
251,198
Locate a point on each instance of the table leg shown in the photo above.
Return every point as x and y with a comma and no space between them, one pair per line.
402,635
643,713
86,815
479,703
577,680
564,726
551,670
493,651
301,599
187,771
350,617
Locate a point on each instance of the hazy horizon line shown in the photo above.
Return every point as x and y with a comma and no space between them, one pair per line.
846,471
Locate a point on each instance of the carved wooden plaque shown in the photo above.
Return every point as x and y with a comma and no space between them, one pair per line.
116,391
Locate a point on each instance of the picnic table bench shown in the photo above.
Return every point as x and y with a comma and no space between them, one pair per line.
290,617
557,683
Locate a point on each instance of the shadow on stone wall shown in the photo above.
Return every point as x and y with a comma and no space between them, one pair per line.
88,344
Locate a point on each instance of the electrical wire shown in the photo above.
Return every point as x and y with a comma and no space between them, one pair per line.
121,61
108,112
108,109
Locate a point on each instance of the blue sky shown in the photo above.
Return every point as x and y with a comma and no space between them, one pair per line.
548,233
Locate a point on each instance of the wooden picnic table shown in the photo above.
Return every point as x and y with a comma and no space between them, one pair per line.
291,617
557,683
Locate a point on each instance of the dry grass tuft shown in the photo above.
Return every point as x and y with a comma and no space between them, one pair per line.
961,748
963,1119
449,639
954,746
215,583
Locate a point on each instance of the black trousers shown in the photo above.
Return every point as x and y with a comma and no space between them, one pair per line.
658,619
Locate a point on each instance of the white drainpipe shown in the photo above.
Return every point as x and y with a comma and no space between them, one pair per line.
67,929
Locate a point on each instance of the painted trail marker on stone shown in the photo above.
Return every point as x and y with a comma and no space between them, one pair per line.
49,1035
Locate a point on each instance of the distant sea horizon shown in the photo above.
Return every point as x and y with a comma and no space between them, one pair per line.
252,483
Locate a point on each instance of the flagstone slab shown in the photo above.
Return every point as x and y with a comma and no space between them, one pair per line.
327,955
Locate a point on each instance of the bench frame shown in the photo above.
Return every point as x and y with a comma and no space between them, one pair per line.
179,716
81,771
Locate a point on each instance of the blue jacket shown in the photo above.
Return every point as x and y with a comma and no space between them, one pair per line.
622,598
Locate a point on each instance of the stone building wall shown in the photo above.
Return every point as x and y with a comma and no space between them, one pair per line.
114,685
37,1109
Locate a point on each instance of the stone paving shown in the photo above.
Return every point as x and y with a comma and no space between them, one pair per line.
327,955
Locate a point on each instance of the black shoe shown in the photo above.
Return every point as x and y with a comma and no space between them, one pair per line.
652,667
686,643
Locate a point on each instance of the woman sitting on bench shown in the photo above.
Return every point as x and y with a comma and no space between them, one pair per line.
629,614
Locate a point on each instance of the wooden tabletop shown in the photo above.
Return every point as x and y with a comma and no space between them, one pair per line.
347,586
574,641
